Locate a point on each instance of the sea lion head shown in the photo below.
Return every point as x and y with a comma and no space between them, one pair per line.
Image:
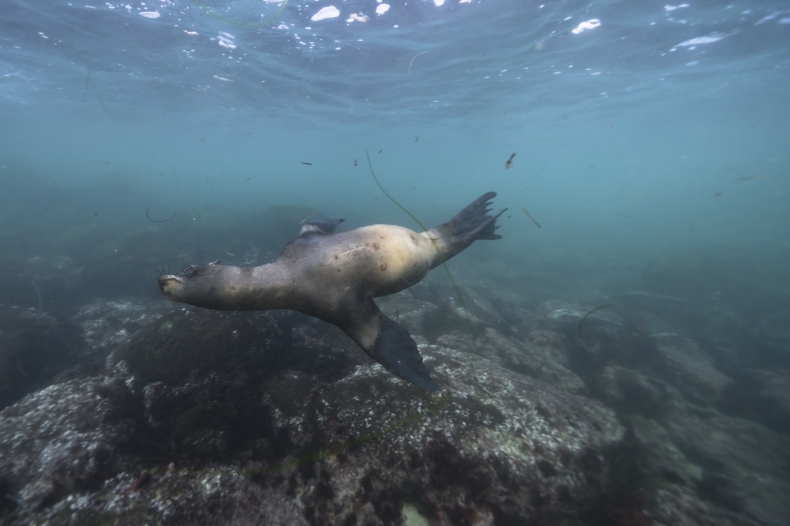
194,285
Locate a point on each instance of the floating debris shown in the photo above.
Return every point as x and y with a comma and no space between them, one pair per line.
147,210
38,295
415,56
87,81
530,216
102,104
752,178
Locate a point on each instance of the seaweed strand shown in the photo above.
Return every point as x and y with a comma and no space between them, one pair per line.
435,246
38,295
87,82
102,104
147,210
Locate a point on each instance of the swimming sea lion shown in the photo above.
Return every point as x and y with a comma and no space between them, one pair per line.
334,276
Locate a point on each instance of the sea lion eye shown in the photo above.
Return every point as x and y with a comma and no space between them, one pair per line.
187,270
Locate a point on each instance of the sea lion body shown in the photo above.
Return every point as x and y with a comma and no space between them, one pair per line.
335,276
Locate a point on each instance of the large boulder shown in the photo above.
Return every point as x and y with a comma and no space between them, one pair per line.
34,347
285,421
533,358
106,325
738,467
60,441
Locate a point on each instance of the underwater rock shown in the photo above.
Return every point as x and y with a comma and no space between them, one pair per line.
674,505
712,469
407,311
551,345
34,347
190,341
630,391
743,464
166,495
39,282
763,396
594,333
773,335
70,455
722,333
482,310
491,442
639,340
682,363
473,310
290,426
537,361
108,325
660,457
369,444
774,392
58,442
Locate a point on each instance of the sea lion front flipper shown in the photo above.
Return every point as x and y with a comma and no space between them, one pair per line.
385,341
397,351
322,226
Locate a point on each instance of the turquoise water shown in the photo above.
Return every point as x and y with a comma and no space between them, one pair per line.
642,149
639,128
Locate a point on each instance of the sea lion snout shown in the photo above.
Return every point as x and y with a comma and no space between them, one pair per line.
168,284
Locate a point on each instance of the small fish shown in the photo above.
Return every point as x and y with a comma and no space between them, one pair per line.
530,216
751,178
417,139
509,163
378,152
717,194
355,162
308,164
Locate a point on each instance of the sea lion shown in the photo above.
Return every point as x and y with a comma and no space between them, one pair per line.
334,276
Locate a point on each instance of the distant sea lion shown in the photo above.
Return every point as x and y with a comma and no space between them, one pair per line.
334,276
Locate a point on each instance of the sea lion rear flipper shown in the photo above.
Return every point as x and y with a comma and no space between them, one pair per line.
474,220
322,226
385,341
470,224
